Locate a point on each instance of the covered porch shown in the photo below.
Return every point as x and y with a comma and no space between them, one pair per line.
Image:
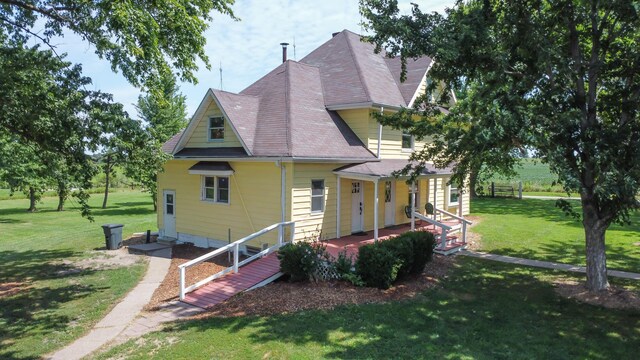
373,204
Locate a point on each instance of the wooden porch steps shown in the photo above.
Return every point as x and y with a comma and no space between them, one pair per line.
257,272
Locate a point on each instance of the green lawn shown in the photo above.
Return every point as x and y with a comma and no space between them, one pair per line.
536,229
62,301
483,310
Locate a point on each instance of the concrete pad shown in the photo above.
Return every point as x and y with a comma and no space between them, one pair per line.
147,248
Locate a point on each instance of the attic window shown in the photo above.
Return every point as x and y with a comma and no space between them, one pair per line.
407,141
216,128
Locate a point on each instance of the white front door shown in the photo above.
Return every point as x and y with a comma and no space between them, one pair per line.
357,207
169,214
389,203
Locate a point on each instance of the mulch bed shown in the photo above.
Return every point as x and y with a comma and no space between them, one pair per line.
170,287
284,297
614,298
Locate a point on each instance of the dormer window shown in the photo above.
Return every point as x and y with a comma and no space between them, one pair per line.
216,128
407,142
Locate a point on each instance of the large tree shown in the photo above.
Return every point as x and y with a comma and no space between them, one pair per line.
164,114
562,77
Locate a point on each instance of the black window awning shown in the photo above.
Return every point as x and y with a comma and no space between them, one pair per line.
213,168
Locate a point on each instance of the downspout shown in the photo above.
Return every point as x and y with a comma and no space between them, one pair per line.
380,132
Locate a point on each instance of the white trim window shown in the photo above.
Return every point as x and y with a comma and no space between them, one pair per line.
454,195
215,189
216,128
317,196
407,141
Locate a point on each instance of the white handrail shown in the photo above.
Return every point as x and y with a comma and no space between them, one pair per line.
443,233
453,216
236,255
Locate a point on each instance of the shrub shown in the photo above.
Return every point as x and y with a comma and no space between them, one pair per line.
377,265
402,247
300,260
423,243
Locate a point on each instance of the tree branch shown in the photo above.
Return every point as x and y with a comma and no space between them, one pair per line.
44,40
51,12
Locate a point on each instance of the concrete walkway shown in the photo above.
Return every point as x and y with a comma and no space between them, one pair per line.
124,321
550,197
545,264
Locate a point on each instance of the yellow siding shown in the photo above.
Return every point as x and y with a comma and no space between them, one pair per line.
391,141
200,136
310,224
254,201
358,121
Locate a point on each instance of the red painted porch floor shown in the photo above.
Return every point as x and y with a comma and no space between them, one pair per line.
225,287
351,243
259,270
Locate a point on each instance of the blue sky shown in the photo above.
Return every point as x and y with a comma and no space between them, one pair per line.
247,49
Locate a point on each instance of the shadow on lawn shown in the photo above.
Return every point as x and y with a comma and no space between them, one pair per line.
484,310
36,265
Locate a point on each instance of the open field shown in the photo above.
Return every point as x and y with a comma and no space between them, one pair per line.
536,229
54,293
535,176
483,310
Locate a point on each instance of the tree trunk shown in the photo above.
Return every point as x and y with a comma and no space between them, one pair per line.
107,172
473,182
155,202
62,196
595,230
32,200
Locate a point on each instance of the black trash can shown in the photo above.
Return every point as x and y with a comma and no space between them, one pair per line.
113,235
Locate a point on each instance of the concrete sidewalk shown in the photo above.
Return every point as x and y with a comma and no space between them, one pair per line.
123,317
545,264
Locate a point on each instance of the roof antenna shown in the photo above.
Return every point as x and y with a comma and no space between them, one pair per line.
294,49
220,74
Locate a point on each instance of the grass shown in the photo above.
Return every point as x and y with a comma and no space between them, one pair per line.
483,310
536,229
62,302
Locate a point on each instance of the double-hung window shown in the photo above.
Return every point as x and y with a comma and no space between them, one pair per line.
454,195
216,189
216,128
407,142
317,196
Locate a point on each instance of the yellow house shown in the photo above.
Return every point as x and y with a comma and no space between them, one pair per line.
301,144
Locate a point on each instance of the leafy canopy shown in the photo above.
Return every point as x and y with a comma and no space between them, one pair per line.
140,38
562,77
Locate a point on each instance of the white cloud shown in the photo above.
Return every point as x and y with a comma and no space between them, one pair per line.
248,48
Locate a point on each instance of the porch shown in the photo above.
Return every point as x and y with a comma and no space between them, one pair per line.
452,242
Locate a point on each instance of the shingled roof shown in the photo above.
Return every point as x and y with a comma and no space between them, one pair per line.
288,111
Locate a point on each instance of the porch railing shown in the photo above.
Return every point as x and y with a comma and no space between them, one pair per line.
444,229
462,220
235,247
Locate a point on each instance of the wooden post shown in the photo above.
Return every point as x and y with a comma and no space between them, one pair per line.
493,189
280,234
520,190
236,257
293,231
375,210
464,232
338,208
413,207
435,197
182,270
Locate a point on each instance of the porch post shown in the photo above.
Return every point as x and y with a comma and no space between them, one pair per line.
375,210
413,206
460,202
435,197
338,208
